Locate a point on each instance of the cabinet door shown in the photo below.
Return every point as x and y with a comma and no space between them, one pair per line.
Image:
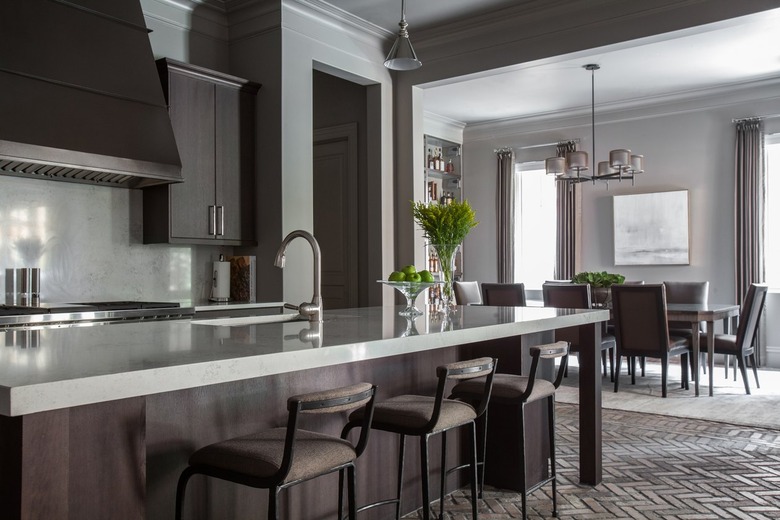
235,175
192,116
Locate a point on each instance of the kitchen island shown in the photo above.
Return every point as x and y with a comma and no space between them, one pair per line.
98,421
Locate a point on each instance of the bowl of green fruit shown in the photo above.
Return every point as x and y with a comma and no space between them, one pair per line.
410,282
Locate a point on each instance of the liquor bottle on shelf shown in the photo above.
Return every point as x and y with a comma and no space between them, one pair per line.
450,168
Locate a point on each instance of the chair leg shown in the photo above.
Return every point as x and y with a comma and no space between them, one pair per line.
664,374
612,365
341,495
351,493
426,499
618,361
633,370
400,483
181,487
553,474
684,362
604,362
755,368
273,503
443,480
743,371
473,472
642,364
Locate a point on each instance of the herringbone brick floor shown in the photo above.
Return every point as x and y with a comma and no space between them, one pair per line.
655,467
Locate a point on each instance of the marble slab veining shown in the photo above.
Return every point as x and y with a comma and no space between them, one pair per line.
54,368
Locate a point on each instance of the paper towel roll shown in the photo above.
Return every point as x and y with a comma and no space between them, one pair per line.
220,288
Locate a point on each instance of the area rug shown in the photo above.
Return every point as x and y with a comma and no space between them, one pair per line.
729,403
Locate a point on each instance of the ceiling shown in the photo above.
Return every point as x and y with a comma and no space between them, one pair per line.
692,62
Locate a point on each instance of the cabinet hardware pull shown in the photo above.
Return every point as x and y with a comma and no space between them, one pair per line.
220,220
212,220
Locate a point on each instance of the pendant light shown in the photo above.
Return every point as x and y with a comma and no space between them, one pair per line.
622,163
402,55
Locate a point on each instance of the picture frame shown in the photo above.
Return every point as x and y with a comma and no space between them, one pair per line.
652,228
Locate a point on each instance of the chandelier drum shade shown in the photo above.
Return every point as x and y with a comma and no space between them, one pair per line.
622,164
402,55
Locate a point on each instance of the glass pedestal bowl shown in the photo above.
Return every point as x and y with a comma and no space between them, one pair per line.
410,290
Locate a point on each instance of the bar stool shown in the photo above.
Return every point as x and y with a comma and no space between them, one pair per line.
513,390
282,457
424,416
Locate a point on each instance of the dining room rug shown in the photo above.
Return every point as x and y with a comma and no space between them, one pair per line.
729,403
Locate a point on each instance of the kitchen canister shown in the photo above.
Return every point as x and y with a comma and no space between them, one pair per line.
220,283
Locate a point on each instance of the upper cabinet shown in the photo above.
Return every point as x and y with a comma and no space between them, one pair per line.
213,117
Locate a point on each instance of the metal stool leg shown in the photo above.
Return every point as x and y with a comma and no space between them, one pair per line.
522,461
400,476
443,481
473,472
553,473
426,499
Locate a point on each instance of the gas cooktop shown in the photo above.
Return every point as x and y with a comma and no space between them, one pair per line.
87,312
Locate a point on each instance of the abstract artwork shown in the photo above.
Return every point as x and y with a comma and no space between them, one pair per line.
651,228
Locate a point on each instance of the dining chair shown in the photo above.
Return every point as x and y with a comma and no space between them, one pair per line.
687,292
279,458
742,344
577,296
641,329
467,293
503,294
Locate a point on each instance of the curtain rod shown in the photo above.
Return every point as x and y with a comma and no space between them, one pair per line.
556,143
739,120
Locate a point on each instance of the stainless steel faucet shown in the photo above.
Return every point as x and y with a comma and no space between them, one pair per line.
313,310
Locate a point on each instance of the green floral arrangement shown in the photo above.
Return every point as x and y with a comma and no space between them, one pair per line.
445,226
445,223
598,279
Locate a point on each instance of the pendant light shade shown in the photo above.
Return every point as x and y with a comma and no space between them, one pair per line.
402,55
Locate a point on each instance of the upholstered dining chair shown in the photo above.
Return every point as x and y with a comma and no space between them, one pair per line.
467,293
282,457
686,292
503,294
641,329
577,296
742,344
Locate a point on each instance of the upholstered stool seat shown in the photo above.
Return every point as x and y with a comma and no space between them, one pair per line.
260,455
508,388
411,412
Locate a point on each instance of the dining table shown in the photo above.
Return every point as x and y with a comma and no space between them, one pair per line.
694,314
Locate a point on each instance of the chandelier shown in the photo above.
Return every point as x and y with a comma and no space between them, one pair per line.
573,167
402,55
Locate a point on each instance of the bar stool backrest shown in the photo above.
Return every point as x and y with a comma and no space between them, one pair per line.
559,349
503,294
462,370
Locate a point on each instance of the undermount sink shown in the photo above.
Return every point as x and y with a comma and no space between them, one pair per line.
249,320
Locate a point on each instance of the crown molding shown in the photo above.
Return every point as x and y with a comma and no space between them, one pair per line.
443,120
197,16
332,12
695,100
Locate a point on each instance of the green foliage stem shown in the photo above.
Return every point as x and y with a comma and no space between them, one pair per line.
598,279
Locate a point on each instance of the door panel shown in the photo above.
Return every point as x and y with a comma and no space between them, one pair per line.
335,222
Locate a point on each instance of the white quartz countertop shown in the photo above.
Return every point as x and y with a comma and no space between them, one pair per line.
51,368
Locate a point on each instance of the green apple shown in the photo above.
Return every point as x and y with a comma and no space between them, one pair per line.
396,276
426,276
408,269
413,277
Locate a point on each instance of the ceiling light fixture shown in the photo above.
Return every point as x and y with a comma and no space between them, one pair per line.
402,55
622,163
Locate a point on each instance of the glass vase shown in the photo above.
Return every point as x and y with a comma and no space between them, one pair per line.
446,254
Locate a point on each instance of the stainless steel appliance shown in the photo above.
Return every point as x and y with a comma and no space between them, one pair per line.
71,314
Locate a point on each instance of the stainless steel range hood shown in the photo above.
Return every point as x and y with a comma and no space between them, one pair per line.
80,97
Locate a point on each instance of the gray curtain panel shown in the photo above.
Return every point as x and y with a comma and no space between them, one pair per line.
565,222
505,217
749,196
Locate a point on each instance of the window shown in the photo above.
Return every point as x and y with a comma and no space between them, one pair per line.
535,224
772,216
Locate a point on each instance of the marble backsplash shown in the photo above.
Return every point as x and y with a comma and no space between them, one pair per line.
88,242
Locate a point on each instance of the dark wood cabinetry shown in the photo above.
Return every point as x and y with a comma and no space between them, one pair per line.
213,117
